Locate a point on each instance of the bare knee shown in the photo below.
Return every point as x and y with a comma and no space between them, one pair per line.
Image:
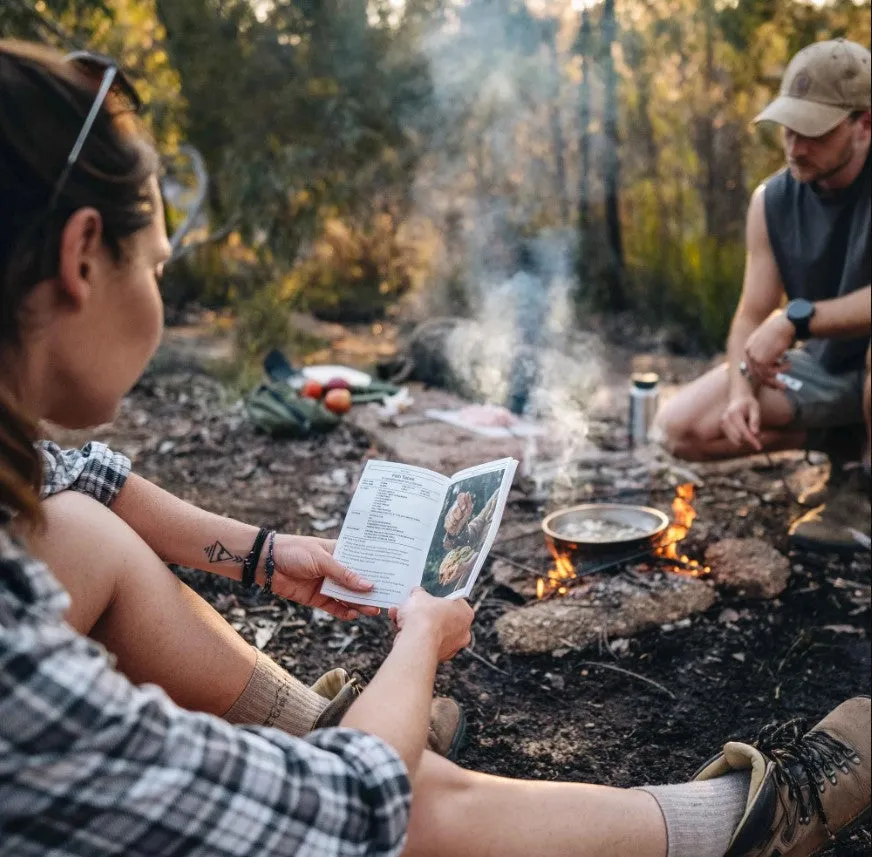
79,542
679,435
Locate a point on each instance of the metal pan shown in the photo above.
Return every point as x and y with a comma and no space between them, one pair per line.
651,523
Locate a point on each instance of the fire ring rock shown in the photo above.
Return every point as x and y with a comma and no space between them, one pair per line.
749,567
614,608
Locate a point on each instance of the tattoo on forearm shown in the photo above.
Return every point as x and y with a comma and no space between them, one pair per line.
217,553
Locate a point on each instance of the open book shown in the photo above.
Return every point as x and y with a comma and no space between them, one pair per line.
409,527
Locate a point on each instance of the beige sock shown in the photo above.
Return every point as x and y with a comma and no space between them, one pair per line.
274,698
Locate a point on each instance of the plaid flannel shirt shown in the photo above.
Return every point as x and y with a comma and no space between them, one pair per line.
91,765
94,470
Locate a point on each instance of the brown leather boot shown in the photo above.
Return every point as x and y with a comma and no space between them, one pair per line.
447,731
842,524
806,790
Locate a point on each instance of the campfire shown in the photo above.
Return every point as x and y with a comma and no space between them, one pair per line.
683,516
564,574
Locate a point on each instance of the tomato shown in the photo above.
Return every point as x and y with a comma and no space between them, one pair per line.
338,401
312,390
337,384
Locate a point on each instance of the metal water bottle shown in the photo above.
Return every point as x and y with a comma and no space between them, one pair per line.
643,405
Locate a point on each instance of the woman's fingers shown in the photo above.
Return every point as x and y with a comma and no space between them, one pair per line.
344,576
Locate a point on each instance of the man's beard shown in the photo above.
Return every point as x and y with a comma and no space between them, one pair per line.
845,157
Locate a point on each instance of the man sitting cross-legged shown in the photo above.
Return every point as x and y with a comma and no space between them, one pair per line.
808,241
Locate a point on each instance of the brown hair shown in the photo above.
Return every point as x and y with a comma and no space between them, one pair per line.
43,105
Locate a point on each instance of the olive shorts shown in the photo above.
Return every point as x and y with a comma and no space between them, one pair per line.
821,399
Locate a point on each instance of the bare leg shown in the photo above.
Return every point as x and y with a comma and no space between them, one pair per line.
691,421
466,814
124,597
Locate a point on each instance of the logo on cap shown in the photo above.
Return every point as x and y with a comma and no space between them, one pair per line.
801,85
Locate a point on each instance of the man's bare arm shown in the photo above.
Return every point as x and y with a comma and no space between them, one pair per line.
843,318
762,292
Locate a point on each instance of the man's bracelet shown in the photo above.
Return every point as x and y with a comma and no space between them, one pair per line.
249,566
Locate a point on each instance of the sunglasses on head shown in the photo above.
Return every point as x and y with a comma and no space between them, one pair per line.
110,78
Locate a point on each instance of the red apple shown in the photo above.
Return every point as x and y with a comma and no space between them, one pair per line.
338,401
312,389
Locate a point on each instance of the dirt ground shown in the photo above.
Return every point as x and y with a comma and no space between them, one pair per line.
726,673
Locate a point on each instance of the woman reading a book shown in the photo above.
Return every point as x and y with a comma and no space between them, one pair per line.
109,743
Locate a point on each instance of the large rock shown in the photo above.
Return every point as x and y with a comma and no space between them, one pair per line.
615,607
748,567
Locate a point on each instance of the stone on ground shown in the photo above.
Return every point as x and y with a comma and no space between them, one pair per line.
751,568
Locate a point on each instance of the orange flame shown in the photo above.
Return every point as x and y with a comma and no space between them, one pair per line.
683,516
563,571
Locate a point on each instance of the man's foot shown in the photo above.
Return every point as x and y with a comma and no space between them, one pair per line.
806,790
447,732
842,524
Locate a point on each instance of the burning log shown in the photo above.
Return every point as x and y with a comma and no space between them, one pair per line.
616,606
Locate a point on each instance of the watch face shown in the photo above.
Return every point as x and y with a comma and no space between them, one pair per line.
800,310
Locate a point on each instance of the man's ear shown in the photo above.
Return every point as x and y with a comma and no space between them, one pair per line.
80,255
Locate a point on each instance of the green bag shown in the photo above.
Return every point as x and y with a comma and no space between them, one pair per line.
277,410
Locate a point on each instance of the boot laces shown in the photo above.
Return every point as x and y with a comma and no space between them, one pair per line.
805,758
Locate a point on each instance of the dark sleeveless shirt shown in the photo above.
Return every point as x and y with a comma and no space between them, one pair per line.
821,244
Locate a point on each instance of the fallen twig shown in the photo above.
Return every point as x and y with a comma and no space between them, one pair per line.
485,661
519,565
622,671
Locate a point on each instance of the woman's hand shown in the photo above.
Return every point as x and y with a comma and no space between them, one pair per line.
449,619
302,564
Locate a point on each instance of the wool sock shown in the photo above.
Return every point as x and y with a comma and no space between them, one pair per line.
701,817
274,698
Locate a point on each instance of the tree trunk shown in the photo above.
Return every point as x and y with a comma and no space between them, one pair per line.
706,126
616,298
558,142
584,142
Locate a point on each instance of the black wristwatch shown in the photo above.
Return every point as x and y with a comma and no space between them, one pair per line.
799,313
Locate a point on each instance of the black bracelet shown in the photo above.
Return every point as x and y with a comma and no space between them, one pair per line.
249,567
270,565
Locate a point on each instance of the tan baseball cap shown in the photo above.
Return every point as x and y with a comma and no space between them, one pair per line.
822,86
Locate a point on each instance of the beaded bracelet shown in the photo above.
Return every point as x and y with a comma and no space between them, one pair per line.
270,565
249,567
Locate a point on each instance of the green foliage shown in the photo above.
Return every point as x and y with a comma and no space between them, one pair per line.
690,284
263,321
332,128
353,275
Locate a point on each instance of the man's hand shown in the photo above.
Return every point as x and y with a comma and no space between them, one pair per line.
765,349
740,421
450,620
302,564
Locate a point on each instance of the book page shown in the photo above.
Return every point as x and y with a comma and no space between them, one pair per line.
466,527
387,531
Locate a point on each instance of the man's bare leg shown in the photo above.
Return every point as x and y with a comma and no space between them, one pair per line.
466,814
690,422
124,597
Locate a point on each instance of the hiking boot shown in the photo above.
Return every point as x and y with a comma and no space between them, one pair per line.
842,524
806,790
341,689
447,731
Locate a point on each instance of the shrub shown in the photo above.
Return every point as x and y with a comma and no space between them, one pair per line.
351,274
